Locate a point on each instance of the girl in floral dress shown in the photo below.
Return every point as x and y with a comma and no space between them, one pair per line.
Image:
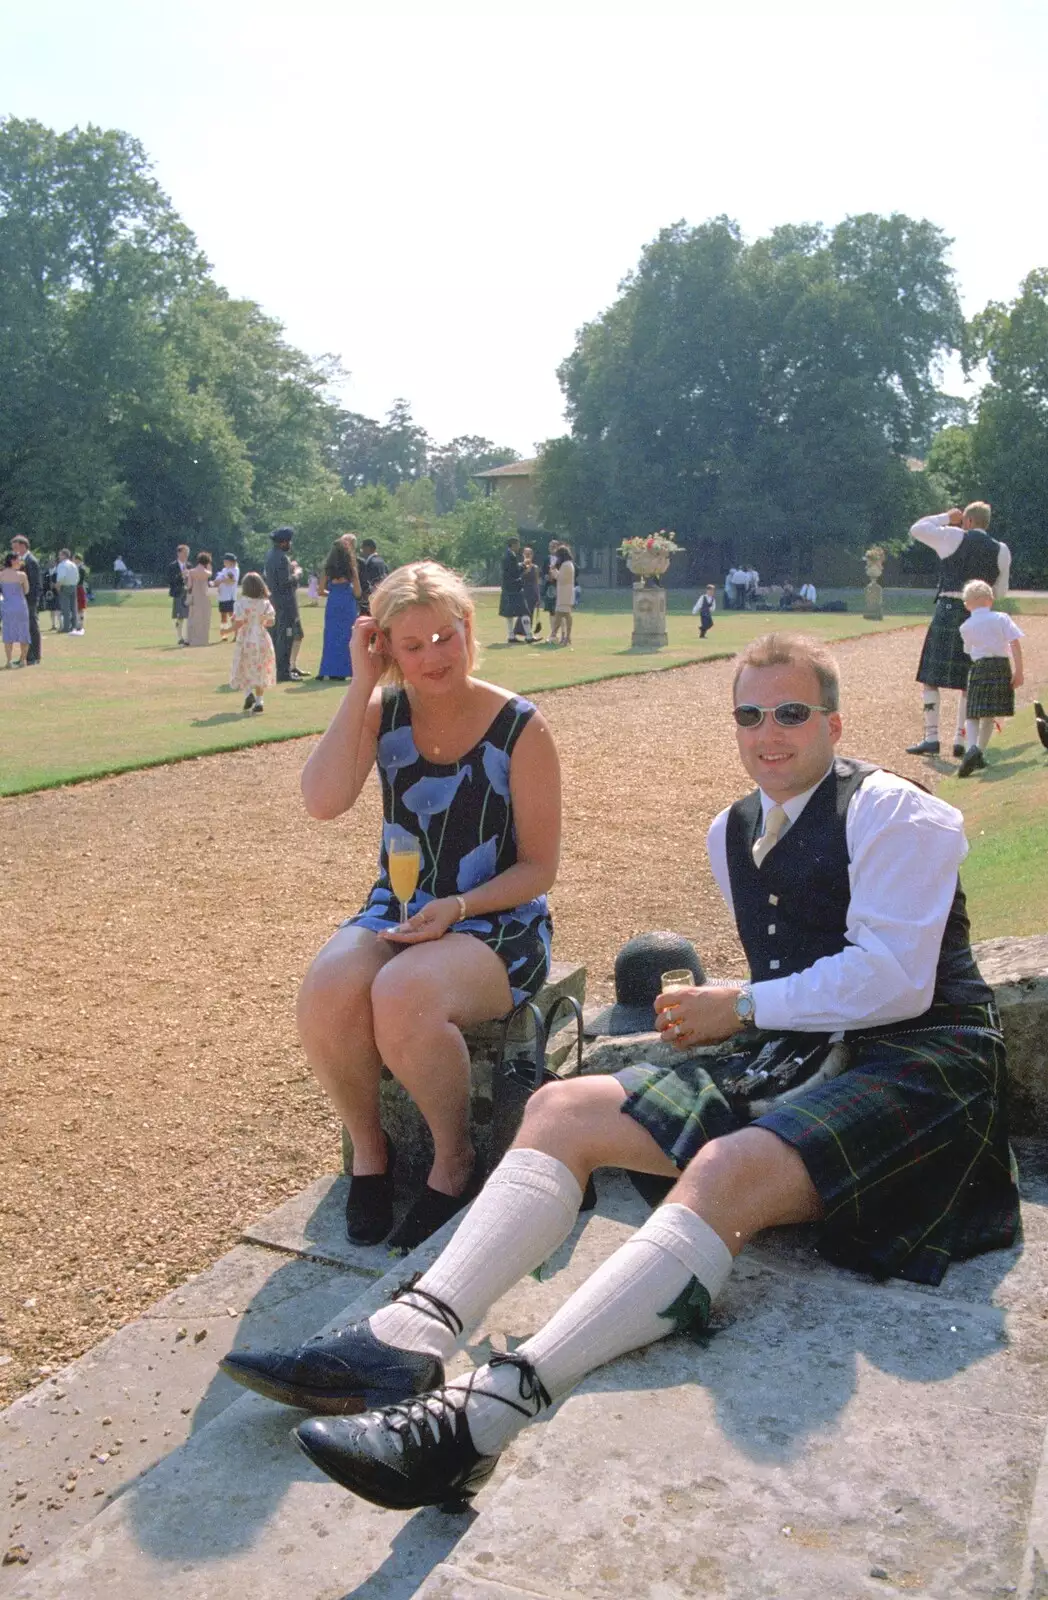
254,659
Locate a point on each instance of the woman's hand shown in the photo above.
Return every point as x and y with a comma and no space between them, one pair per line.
687,1018
432,922
368,652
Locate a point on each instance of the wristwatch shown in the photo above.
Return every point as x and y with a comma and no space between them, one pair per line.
744,1007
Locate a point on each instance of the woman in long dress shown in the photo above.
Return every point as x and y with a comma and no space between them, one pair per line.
341,583
14,587
470,788
198,578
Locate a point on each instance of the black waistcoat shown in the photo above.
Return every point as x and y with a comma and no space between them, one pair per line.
793,909
975,557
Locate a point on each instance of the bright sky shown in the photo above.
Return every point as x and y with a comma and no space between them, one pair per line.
443,193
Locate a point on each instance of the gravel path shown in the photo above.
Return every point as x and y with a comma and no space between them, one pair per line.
154,1095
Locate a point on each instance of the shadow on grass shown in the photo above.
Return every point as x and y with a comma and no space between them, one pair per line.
215,721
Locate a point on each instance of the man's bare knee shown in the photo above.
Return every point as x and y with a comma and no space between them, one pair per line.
747,1181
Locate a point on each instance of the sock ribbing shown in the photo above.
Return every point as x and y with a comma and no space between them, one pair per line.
653,1284
524,1212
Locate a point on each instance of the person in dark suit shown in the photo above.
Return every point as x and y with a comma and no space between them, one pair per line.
282,574
176,588
31,568
512,605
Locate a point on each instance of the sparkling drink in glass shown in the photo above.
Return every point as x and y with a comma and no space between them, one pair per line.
404,859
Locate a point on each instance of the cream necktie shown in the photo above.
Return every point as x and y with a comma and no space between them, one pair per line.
776,821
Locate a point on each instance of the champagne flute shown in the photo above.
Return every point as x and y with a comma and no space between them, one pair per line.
404,858
676,978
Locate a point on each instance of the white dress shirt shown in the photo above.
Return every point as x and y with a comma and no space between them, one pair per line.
939,536
904,849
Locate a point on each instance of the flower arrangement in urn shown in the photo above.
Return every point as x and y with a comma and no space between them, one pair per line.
874,558
648,557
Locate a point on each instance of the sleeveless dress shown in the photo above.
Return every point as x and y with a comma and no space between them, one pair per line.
340,613
15,612
462,816
254,664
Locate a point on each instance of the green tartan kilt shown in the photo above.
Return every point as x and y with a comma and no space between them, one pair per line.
907,1149
990,692
943,662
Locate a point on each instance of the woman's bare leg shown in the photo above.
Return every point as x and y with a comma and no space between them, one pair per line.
335,1027
421,1002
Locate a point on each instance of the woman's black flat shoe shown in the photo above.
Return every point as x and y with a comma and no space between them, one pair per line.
432,1209
369,1204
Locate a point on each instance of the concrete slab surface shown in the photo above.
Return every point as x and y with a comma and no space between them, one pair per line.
831,1438
75,1442
834,1440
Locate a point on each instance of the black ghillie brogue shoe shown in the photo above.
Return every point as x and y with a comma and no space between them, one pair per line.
419,1453
974,761
348,1371
926,747
958,749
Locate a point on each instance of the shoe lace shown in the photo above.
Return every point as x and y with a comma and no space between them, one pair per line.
431,1418
429,1304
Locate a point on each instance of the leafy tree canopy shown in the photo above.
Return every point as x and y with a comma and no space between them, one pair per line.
760,394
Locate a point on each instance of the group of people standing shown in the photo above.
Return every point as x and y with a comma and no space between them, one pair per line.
527,589
264,621
26,588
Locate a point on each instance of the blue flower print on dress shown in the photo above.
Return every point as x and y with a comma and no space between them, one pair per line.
477,867
396,750
496,769
530,911
429,796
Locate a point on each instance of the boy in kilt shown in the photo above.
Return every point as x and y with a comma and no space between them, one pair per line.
991,639
897,1147
965,551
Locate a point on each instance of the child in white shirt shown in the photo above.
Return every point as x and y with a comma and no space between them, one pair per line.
991,639
226,581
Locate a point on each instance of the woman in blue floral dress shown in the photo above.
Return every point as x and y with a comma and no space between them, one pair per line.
469,771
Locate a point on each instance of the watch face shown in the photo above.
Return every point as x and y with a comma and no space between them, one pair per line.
744,1006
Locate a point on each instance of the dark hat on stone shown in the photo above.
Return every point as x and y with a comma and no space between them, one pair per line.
282,535
639,966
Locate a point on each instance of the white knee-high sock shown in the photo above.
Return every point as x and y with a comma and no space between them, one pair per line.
931,713
525,1210
962,714
660,1281
985,732
971,733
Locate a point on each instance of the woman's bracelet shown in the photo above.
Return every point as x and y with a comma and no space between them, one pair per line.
461,908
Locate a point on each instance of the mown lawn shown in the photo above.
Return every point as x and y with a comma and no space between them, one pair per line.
1005,809
125,696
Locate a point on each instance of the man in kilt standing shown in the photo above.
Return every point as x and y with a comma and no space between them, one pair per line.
896,1144
965,551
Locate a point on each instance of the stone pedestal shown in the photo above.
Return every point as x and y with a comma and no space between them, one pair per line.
873,609
649,617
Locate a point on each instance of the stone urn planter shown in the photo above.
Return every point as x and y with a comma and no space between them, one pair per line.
873,608
646,565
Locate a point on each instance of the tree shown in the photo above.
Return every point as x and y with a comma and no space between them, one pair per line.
452,467
388,453
756,394
139,403
1009,442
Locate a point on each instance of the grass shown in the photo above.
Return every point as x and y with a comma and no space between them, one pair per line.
124,696
1005,877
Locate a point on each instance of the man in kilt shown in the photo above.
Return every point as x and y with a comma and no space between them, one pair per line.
896,1144
965,551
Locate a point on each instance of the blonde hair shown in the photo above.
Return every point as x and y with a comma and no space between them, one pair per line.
793,650
424,583
978,514
977,590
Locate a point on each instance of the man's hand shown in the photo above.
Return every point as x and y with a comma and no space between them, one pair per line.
955,517
690,1017
432,922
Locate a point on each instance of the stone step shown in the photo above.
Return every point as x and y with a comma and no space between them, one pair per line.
832,1437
